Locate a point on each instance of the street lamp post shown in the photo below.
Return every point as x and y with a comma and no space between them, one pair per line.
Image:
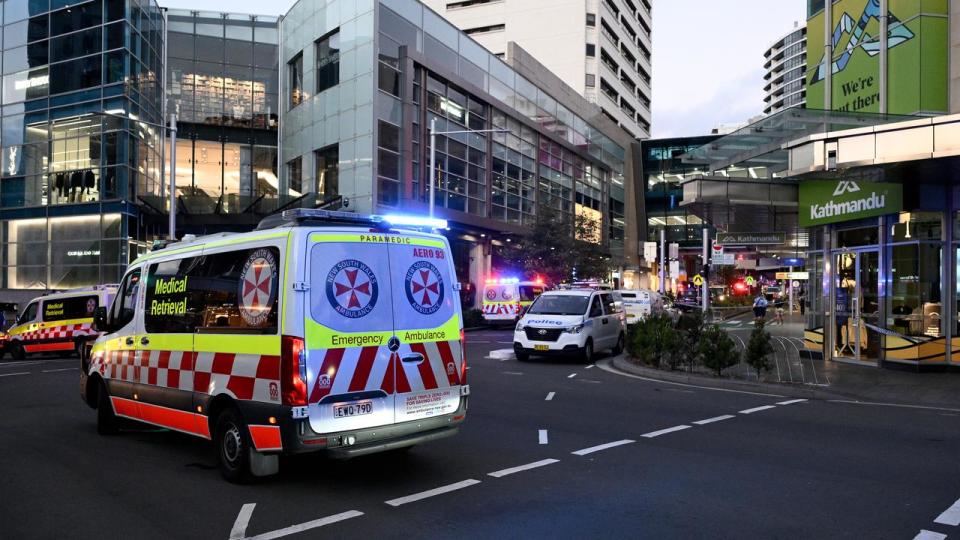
433,154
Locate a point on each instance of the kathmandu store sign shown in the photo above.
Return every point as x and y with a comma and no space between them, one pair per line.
832,201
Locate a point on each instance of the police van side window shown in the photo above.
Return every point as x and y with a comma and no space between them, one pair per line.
610,304
595,309
62,309
173,304
126,302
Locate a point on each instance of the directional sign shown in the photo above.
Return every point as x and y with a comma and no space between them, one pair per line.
750,281
793,275
698,280
718,249
650,251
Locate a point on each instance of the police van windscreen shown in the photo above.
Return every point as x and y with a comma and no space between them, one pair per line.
560,305
529,293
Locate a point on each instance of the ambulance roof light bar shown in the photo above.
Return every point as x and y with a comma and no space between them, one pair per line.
298,215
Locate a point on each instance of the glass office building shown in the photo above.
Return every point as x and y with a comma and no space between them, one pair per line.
72,182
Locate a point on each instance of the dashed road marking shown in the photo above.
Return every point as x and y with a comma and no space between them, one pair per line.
660,432
520,468
239,529
542,436
550,396
714,419
432,492
929,535
590,366
511,372
58,370
294,529
600,447
14,374
950,516
757,409
572,375
790,401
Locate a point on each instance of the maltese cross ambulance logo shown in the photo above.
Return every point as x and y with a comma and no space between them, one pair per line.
352,288
258,287
424,288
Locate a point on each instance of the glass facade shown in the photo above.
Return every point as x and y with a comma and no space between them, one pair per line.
68,172
662,177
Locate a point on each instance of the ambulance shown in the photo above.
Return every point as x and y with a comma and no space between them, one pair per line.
319,331
58,322
505,299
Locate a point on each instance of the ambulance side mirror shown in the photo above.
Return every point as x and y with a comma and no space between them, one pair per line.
100,320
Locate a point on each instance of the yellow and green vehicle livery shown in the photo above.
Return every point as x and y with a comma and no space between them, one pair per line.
58,322
319,331
505,300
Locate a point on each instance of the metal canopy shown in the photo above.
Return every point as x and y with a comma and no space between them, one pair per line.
757,147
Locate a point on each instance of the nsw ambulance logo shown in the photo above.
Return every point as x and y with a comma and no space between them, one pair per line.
424,287
258,287
491,294
352,288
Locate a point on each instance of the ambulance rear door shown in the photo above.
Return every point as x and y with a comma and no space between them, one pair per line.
427,318
348,324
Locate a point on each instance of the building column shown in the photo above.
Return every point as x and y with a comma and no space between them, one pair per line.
480,267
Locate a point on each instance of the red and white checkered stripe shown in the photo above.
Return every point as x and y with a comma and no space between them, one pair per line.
500,309
375,368
66,331
253,377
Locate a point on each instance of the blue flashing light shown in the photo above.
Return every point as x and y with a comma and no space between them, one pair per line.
415,221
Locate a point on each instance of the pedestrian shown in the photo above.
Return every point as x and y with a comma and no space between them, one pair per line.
778,315
759,308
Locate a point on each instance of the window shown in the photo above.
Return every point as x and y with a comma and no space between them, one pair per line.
529,294
295,74
328,61
591,20
61,309
295,176
233,292
591,80
126,301
484,29
591,50
328,185
611,304
468,3
595,309
29,314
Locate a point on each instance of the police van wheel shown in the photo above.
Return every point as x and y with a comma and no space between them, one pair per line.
521,356
106,421
17,352
233,447
618,348
587,352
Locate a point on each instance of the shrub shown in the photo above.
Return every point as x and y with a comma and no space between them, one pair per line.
651,339
690,328
717,350
759,348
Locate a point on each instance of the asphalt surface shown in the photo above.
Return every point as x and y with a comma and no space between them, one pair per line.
624,467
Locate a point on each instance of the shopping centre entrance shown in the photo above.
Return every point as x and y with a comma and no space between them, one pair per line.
855,296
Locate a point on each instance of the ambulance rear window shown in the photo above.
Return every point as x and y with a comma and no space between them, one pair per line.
62,309
529,293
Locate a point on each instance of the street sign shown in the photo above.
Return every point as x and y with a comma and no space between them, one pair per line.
650,251
717,249
698,280
724,259
793,275
750,281
675,269
674,251
751,239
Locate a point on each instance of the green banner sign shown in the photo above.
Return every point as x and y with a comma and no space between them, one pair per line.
833,201
751,239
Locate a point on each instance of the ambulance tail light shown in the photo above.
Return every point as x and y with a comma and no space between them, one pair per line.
293,372
463,358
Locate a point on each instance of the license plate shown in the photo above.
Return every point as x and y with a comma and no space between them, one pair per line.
541,347
631,316
356,408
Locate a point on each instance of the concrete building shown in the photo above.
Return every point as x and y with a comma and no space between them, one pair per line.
601,48
785,68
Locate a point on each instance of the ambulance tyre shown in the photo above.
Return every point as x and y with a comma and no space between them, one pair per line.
587,353
107,422
618,348
232,441
16,352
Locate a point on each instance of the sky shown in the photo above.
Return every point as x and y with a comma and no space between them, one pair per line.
707,55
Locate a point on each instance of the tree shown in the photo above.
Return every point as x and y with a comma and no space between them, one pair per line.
717,350
551,249
759,348
690,328
652,338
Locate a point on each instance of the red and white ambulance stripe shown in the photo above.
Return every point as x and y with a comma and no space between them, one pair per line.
65,331
500,309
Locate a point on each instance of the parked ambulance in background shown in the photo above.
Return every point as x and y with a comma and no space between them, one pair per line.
318,331
58,322
638,304
504,300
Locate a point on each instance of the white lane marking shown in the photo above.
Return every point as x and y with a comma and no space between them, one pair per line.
293,529
600,447
511,373
239,529
878,404
714,419
590,381
605,365
758,409
13,374
790,401
542,436
501,354
432,492
929,535
521,468
550,396
61,369
505,342
20,363
658,433
590,366
572,375
950,516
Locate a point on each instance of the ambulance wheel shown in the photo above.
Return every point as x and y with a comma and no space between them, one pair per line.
16,352
107,422
233,447
587,353
618,348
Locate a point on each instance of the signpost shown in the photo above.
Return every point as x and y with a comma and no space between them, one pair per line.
800,276
751,239
833,201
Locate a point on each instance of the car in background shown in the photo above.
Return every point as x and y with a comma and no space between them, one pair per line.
573,322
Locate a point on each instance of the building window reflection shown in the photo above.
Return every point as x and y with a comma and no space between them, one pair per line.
327,172
328,61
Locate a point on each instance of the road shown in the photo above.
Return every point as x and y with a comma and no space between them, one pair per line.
551,448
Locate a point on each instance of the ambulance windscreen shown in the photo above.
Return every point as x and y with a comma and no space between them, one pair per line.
559,305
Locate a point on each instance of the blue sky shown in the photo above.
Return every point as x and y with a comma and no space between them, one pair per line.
707,55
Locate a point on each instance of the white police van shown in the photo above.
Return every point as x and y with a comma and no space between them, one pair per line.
571,322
